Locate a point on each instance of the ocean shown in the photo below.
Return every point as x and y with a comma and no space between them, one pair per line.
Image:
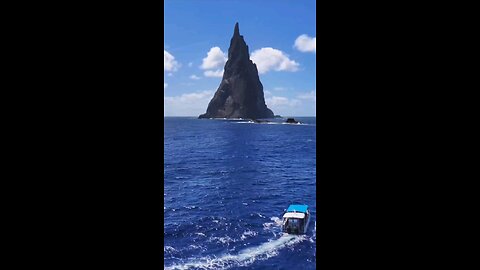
226,186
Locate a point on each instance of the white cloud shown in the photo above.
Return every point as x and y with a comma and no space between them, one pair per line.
190,64
217,73
170,74
275,101
215,59
268,59
282,105
165,85
303,104
312,96
194,77
189,104
305,43
169,63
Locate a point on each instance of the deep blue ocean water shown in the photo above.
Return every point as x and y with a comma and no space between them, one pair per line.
227,184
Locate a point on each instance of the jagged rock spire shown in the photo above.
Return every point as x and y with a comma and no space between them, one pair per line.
240,94
237,52
236,32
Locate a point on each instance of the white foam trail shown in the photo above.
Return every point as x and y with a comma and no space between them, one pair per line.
276,220
248,233
273,226
314,234
244,257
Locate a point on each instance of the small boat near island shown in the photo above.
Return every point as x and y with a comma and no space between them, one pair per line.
296,219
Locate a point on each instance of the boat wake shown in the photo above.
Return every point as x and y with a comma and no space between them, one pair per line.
244,257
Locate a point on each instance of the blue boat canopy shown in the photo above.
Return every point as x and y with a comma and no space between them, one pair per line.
297,208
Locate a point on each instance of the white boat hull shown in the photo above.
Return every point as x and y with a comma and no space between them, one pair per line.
305,228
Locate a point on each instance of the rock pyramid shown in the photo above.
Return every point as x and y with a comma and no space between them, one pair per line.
240,94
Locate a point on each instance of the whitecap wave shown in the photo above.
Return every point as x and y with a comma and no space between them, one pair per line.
248,233
223,240
169,249
196,247
260,215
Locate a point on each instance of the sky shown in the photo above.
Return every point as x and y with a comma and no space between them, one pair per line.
280,34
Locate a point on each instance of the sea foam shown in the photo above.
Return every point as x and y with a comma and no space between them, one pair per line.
244,258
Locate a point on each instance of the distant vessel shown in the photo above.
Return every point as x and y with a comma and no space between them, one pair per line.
296,219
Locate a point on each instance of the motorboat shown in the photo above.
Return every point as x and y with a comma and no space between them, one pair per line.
296,219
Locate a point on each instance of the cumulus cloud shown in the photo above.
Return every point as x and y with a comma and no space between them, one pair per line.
215,59
304,43
189,104
217,73
194,77
169,63
268,59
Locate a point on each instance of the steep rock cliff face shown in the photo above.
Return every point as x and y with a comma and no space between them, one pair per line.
240,94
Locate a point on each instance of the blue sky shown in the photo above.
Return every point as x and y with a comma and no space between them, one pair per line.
281,36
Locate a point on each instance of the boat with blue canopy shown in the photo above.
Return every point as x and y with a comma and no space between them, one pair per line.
296,219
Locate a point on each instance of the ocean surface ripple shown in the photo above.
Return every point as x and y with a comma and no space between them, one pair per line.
227,184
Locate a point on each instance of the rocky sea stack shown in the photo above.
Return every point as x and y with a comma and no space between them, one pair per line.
240,94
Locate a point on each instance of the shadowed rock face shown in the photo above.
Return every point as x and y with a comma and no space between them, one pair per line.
240,94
